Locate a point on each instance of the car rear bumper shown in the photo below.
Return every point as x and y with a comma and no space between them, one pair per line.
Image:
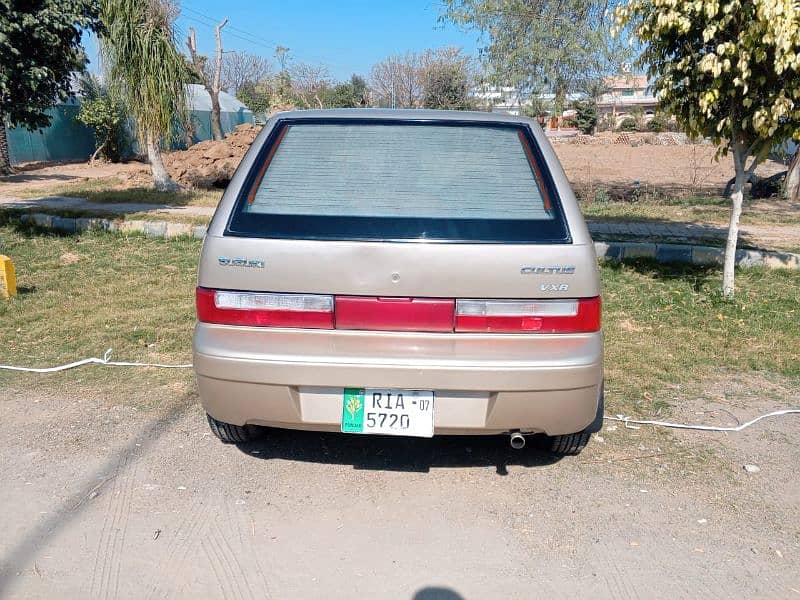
483,384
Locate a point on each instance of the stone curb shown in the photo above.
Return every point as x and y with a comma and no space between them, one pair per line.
160,229
663,253
695,255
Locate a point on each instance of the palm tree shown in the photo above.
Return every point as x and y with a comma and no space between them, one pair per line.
147,71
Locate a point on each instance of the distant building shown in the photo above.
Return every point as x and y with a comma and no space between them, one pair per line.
507,100
625,93
500,99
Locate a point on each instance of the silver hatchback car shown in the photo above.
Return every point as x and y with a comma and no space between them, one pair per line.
400,273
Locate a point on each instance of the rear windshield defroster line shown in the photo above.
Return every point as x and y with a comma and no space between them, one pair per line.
399,180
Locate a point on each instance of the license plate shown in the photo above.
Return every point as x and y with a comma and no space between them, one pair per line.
388,412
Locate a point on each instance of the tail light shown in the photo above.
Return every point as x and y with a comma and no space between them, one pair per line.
313,311
528,316
264,310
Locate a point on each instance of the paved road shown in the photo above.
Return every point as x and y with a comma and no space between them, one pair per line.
105,501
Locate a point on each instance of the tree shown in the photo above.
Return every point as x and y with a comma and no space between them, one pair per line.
308,83
147,71
397,81
586,116
729,71
239,68
793,178
104,115
657,124
542,46
349,94
211,81
400,81
40,46
447,80
255,96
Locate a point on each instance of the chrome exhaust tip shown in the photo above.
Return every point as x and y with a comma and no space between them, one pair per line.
517,440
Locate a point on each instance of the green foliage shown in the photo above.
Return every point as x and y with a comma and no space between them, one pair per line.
537,108
657,124
627,124
445,86
728,70
541,45
40,46
144,65
586,116
606,123
350,94
255,96
637,113
105,116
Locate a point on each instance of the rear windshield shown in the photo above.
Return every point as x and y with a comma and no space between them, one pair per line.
400,181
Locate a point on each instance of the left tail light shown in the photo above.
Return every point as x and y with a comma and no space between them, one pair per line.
254,309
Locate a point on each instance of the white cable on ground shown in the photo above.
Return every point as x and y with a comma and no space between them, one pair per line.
93,361
629,421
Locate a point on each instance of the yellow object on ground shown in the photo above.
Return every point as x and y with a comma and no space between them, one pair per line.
8,281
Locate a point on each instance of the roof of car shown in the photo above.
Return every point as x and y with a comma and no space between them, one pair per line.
401,115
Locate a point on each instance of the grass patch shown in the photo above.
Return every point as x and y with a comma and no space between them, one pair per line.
110,190
666,326
79,295
690,210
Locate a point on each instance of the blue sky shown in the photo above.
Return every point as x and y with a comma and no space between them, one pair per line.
348,37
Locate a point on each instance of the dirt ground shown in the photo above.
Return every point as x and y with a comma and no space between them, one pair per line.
106,500
36,176
683,169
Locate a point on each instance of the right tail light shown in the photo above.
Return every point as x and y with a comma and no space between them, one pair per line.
528,316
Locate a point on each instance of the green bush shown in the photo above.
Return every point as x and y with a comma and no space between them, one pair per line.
105,116
628,124
657,124
586,116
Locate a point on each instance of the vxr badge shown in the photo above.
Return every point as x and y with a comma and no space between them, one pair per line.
554,287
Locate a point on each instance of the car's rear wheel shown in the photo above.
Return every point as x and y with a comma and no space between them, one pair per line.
569,444
232,434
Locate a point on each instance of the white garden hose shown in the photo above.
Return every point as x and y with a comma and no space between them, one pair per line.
629,422
93,361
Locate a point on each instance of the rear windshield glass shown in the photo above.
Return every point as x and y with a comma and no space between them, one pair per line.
390,181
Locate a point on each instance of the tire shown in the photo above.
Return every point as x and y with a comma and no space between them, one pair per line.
570,444
231,434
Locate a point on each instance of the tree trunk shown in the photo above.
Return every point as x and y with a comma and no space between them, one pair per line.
161,179
216,86
737,199
212,87
97,151
793,178
5,157
216,123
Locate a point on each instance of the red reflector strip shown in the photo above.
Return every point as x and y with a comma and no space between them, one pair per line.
536,316
264,310
394,314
